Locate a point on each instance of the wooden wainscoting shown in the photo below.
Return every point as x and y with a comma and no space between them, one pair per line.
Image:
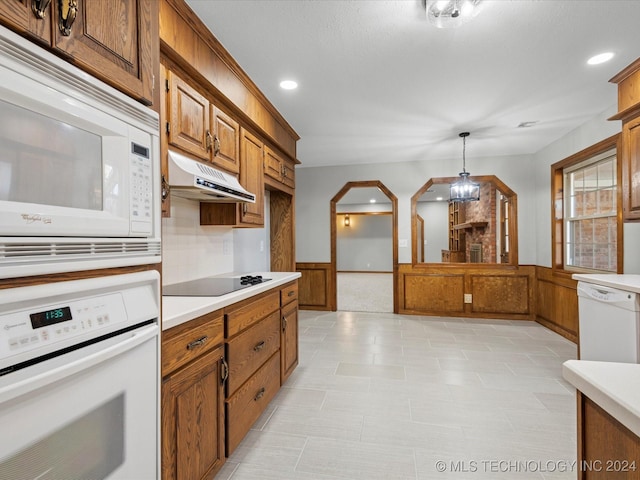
496,291
315,287
557,302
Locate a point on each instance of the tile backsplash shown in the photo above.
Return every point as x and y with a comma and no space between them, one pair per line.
191,251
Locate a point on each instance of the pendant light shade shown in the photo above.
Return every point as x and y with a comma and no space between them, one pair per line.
464,190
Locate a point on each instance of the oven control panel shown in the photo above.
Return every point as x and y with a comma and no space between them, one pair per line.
43,325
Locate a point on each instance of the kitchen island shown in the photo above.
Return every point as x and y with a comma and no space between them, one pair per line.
608,405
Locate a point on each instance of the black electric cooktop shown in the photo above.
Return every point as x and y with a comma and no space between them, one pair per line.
212,286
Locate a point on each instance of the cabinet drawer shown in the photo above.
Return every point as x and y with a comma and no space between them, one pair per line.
185,342
246,314
247,351
248,403
289,293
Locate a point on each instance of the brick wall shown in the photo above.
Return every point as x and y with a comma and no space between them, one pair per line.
483,210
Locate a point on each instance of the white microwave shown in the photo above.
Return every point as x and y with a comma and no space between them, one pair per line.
79,168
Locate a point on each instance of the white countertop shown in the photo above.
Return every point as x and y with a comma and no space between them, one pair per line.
613,386
177,310
626,282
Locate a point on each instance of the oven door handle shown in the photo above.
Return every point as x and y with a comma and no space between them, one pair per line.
132,340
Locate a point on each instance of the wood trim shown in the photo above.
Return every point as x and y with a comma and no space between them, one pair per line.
500,186
316,286
439,293
394,211
556,302
364,271
557,199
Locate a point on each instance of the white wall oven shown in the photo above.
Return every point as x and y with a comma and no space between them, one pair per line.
79,168
79,379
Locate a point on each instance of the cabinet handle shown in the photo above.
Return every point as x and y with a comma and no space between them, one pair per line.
259,346
291,293
39,8
209,141
197,343
216,146
68,11
259,395
284,323
225,370
244,209
165,189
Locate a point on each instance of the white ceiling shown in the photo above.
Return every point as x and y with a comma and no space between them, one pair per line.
379,83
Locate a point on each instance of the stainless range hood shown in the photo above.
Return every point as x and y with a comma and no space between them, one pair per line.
197,181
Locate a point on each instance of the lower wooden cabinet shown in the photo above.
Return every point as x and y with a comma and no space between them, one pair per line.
220,371
193,426
606,449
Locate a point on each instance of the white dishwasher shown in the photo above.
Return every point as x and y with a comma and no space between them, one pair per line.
609,321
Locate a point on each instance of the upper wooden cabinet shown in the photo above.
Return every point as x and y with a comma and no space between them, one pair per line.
279,169
628,81
115,40
199,127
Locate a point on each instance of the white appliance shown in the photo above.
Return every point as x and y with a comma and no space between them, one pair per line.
79,168
79,379
609,324
197,181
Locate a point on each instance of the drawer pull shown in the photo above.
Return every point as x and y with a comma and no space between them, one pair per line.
197,343
259,395
291,293
259,346
224,370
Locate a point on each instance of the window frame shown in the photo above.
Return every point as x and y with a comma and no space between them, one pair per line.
558,207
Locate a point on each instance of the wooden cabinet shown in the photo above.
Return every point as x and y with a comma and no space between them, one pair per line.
197,126
193,415
115,40
289,335
628,81
28,18
276,168
251,178
253,352
606,448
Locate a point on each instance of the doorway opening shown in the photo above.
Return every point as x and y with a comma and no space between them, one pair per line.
364,228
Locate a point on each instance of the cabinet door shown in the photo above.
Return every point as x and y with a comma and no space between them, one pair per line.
25,17
272,164
193,419
113,39
288,173
251,178
226,146
631,170
289,341
188,118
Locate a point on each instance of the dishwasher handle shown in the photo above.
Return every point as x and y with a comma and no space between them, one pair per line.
600,293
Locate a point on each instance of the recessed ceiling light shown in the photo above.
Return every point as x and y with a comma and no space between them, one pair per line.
439,199
288,85
373,200
600,58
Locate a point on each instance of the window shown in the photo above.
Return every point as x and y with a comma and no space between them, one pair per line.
587,233
591,214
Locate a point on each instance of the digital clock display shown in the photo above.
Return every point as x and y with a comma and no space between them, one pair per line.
50,317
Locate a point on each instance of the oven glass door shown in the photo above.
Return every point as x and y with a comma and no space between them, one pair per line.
91,413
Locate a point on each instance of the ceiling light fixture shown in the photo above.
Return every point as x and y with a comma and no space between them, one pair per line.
451,13
373,200
600,58
288,85
464,190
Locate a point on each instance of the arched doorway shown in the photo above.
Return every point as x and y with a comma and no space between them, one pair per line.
393,200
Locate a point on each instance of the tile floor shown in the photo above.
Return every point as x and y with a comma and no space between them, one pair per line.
365,292
384,396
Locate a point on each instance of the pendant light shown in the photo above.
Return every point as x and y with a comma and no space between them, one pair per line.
464,190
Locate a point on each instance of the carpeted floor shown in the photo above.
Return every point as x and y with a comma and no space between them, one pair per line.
365,292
